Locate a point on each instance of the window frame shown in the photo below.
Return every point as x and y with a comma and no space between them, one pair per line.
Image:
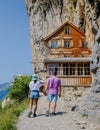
67,30
80,70
84,44
86,69
51,67
52,44
70,69
67,44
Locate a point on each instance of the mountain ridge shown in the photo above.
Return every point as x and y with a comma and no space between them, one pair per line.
4,89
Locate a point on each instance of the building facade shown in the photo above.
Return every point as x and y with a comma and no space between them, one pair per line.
69,53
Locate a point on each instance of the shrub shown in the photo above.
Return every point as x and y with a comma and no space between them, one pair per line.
20,87
18,92
0,105
9,116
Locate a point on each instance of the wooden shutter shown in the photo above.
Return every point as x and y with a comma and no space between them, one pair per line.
59,43
62,42
80,43
71,43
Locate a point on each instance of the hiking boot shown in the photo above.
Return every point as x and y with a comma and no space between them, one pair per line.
47,113
29,114
34,115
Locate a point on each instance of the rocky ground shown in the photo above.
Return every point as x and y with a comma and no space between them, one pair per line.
68,117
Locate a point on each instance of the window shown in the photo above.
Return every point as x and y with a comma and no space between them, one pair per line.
83,68
69,69
84,44
72,69
67,44
67,56
80,69
52,67
67,30
65,69
54,44
85,55
86,69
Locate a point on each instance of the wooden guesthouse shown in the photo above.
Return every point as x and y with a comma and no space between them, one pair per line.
69,53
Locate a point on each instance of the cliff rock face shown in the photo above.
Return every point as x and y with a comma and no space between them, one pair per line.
47,15
92,103
44,17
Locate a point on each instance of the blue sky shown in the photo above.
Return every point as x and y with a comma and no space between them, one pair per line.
15,49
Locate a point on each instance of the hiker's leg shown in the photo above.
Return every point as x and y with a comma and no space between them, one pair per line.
31,104
55,99
49,104
48,109
30,107
35,105
49,98
54,106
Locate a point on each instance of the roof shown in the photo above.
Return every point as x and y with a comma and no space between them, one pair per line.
66,23
68,59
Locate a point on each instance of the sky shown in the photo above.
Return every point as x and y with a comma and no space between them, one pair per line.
15,48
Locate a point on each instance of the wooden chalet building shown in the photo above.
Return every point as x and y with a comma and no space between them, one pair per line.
69,53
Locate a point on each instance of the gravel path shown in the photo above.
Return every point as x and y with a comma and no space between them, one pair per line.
62,121
66,119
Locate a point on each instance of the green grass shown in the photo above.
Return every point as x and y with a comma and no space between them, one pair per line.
9,116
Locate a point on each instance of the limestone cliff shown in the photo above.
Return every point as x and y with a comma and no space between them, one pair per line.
46,15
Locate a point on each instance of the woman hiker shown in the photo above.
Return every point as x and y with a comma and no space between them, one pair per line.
35,86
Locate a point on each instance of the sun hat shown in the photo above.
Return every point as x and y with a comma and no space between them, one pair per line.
34,77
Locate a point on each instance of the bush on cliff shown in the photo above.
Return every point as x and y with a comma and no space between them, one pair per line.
20,86
18,92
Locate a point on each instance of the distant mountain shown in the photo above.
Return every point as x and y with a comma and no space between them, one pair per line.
3,93
4,89
4,85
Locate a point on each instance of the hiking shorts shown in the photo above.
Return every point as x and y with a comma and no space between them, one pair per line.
52,97
34,94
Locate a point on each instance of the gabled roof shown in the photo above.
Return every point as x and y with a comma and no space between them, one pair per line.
59,28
